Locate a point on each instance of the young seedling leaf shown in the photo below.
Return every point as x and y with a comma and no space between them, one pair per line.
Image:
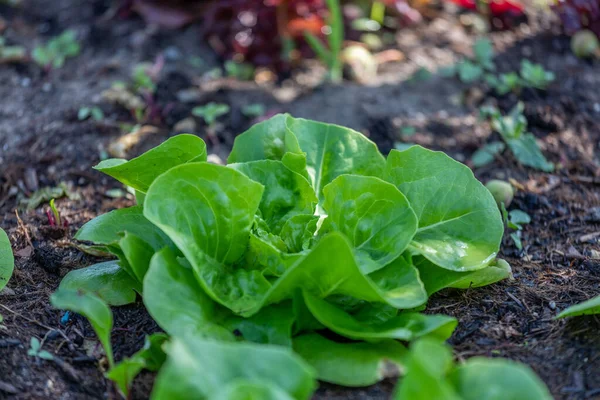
140,172
106,280
483,51
91,307
528,153
460,227
150,357
351,364
487,154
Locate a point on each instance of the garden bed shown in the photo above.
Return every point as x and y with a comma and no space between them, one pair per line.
43,143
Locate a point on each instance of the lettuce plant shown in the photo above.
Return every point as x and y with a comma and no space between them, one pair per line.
307,229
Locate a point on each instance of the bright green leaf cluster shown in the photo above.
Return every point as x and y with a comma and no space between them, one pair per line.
482,67
513,130
211,112
308,228
57,50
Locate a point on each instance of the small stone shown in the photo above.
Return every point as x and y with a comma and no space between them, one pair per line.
186,125
172,53
552,305
215,159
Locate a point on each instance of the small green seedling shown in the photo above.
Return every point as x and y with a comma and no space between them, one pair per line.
534,75
55,213
57,50
35,350
515,220
505,83
470,71
255,110
483,52
142,79
211,112
94,112
240,71
513,130
330,57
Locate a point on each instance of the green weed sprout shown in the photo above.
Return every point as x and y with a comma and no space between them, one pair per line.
534,75
331,57
57,50
211,112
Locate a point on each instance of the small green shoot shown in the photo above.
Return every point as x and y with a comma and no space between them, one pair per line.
505,83
483,52
55,213
470,71
35,350
330,56
255,110
240,71
487,154
211,112
534,75
515,219
57,50
142,79
513,130
94,112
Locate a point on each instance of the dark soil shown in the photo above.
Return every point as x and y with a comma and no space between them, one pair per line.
42,144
